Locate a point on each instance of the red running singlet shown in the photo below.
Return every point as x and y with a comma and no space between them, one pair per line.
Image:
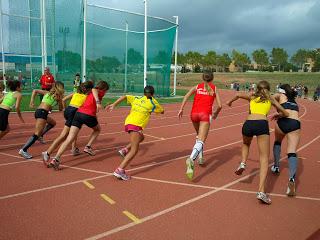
89,107
203,102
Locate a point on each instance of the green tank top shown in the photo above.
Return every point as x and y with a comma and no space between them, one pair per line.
9,100
49,100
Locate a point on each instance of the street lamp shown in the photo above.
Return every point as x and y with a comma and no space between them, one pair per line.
64,31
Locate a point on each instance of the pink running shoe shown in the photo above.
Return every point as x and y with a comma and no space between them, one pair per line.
121,174
123,152
89,150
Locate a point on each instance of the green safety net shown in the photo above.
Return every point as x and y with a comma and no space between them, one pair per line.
114,53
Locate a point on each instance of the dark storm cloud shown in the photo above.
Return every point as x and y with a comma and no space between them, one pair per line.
244,25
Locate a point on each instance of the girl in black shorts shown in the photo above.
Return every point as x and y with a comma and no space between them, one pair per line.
290,127
86,114
77,100
43,122
257,125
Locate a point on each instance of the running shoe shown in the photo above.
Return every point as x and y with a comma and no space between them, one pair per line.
240,169
41,140
54,163
263,197
89,150
45,158
24,154
291,189
275,170
121,174
190,168
123,152
75,152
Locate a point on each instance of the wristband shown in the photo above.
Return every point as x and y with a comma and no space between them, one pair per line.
98,102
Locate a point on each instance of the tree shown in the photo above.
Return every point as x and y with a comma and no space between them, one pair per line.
209,59
240,59
134,57
279,56
300,57
223,60
161,57
260,56
193,58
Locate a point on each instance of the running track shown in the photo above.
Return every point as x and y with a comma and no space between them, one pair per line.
84,201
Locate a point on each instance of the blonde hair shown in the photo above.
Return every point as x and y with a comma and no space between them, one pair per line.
207,77
57,90
263,91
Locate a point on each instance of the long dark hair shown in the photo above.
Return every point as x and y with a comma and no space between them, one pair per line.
289,92
207,77
13,85
263,91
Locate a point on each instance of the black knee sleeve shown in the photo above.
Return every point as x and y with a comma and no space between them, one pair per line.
292,155
277,143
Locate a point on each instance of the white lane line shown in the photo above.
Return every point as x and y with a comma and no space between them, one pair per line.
192,200
51,187
112,133
122,122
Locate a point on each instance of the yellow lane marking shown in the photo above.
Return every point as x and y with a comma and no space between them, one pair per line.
108,199
89,185
132,217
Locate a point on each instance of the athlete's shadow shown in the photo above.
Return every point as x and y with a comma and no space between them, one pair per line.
217,159
161,160
284,169
101,155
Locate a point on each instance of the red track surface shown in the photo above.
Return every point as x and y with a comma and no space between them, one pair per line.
39,203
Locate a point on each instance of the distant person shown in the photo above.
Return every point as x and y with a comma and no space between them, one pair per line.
76,83
305,92
46,81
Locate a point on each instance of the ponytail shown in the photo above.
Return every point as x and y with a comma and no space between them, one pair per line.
207,77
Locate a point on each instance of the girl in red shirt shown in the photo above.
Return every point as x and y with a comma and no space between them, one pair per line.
201,116
86,114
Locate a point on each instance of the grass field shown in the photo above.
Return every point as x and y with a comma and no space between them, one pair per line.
223,80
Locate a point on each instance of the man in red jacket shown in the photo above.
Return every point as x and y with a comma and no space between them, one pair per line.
46,81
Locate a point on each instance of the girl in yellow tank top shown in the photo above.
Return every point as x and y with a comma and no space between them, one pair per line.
257,125
77,99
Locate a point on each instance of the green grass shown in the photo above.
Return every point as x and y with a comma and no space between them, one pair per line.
107,100
223,80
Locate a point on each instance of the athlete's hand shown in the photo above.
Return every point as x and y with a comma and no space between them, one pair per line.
99,107
214,116
110,107
229,103
31,105
275,116
180,113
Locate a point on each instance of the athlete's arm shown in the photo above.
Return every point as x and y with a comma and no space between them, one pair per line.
110,107
18,103
216,112
96,97
185,99
237,96
276,104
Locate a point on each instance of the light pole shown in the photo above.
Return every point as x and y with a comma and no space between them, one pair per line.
175,57
145,44
64,31
126,60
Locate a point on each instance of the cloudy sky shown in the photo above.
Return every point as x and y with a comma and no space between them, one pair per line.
245,25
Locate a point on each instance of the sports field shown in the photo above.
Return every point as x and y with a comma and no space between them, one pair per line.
84,200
